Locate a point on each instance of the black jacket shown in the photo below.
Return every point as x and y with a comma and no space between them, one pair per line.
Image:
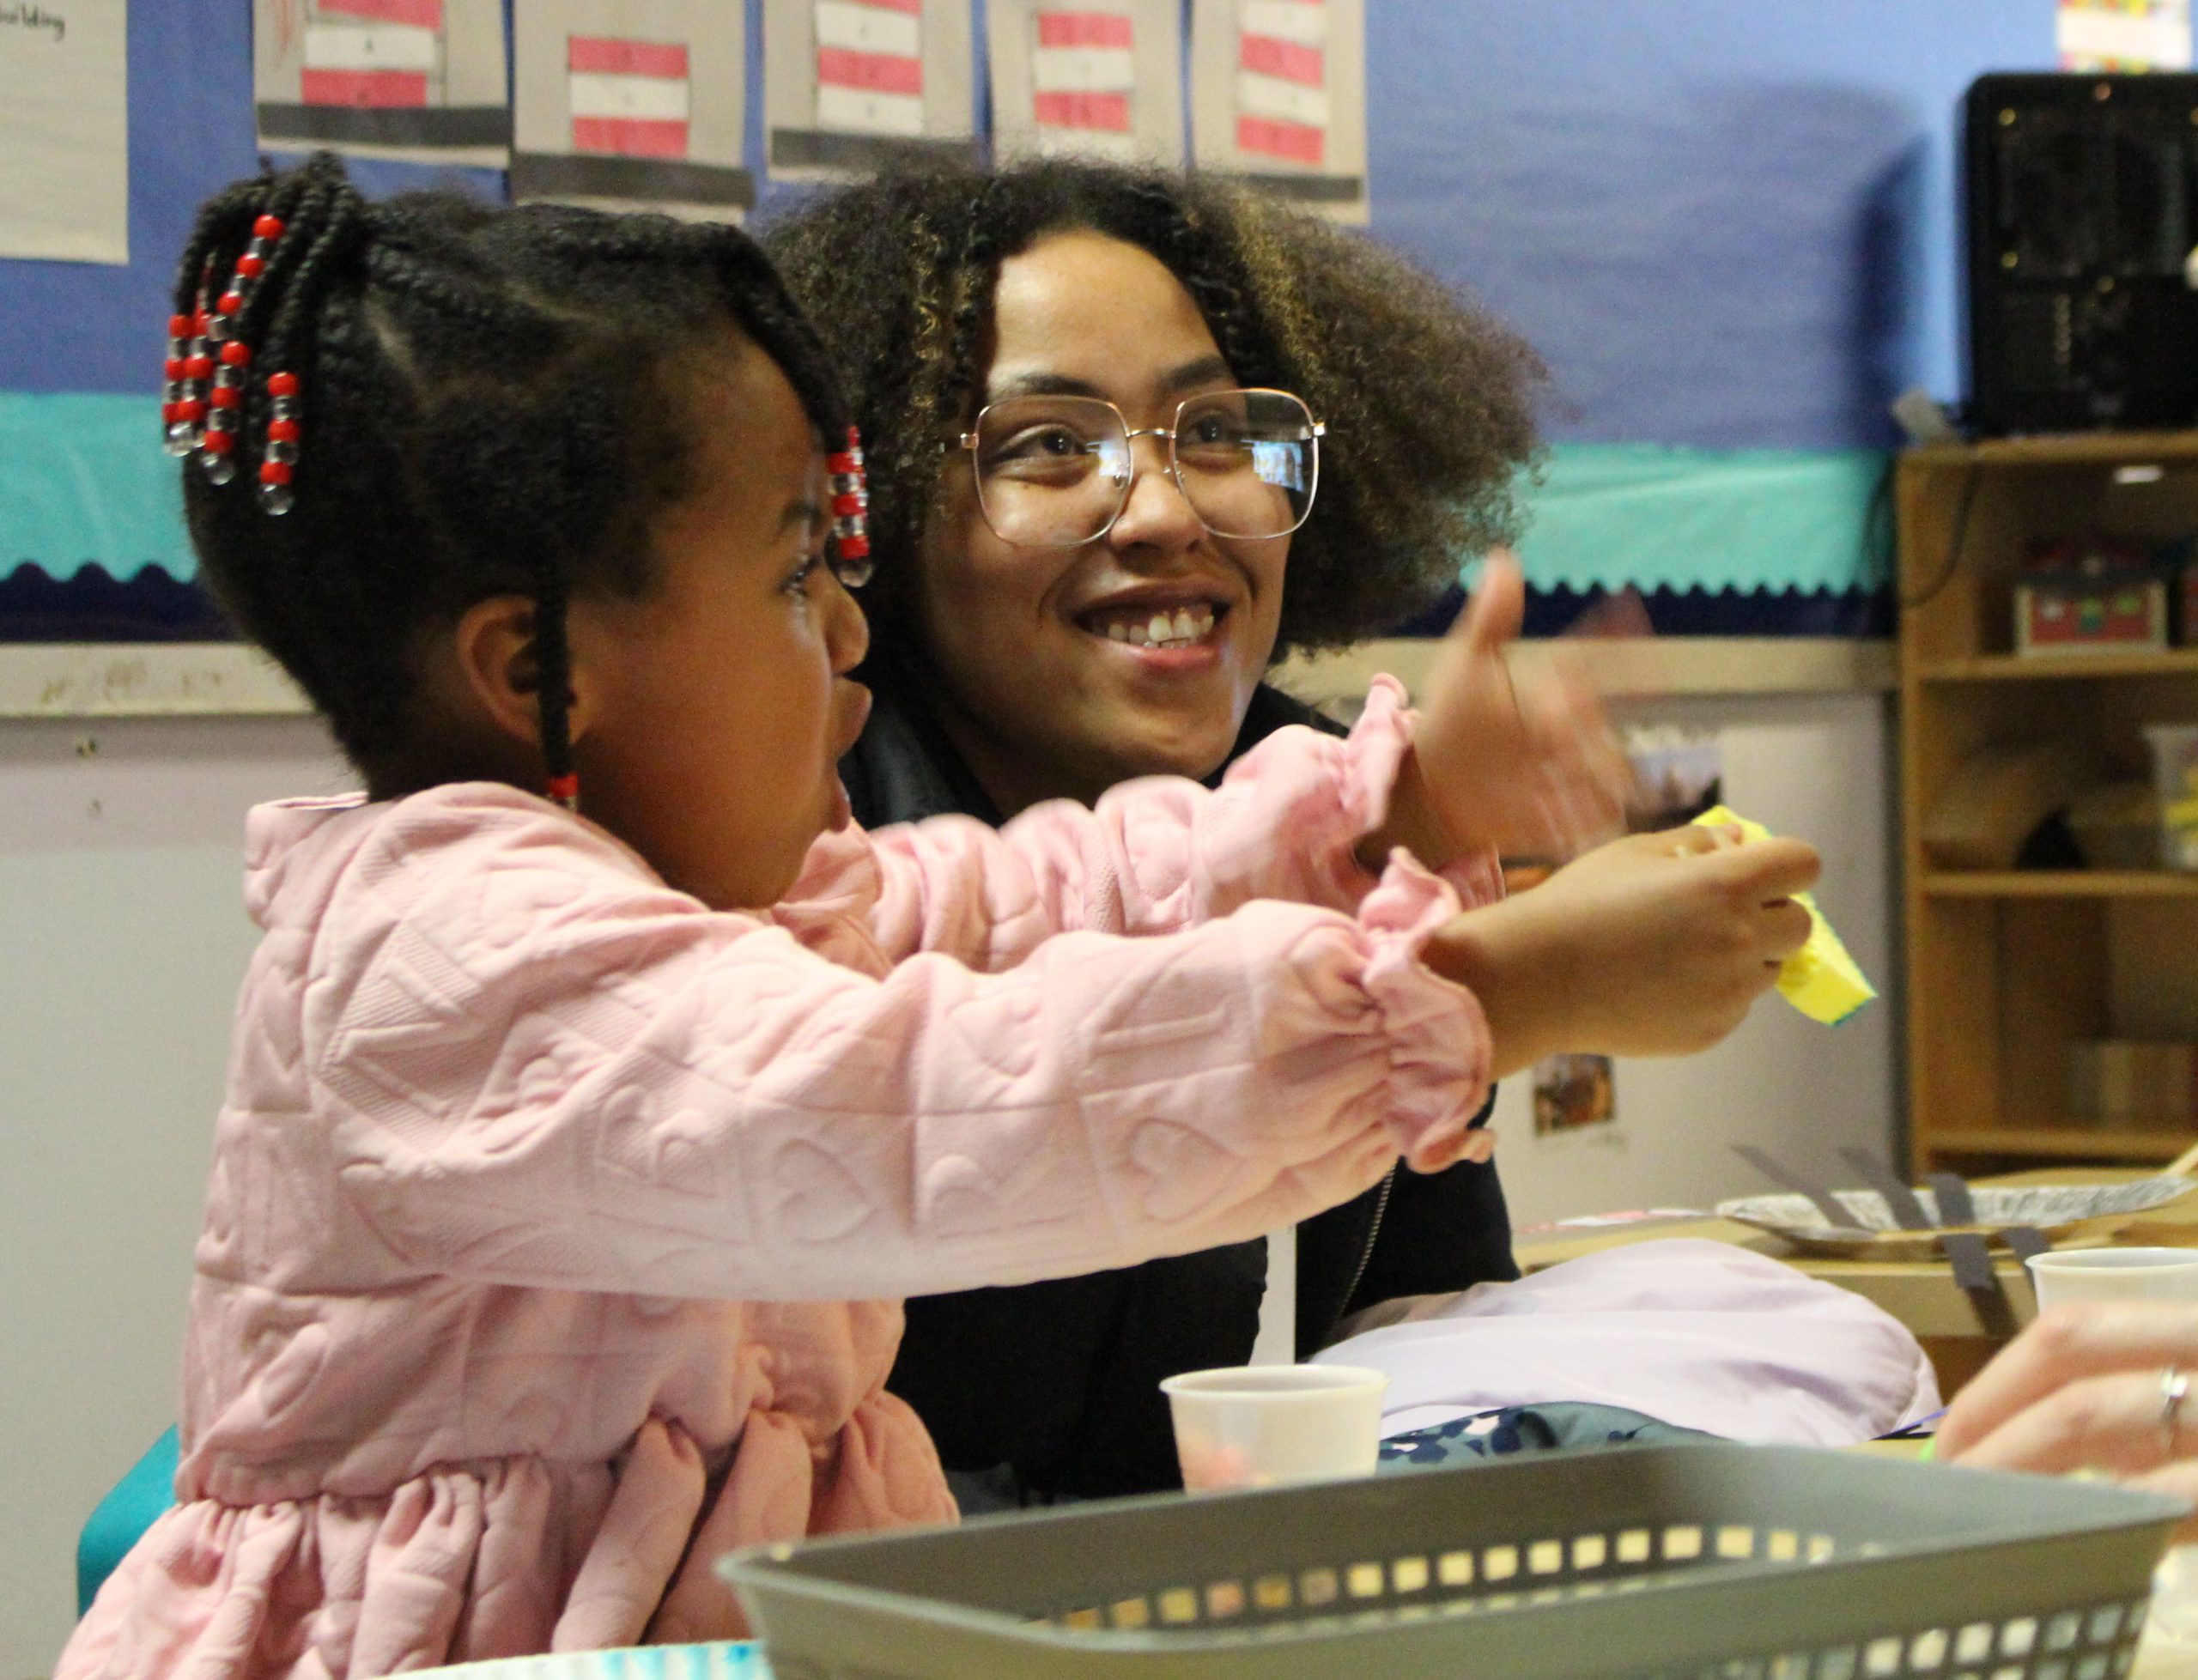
1059,1380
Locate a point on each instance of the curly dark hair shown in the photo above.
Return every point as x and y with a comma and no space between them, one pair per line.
1429,404
487,401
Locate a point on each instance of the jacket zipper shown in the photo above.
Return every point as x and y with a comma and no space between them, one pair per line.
1366,1254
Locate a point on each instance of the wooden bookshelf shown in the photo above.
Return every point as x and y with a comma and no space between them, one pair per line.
2005,968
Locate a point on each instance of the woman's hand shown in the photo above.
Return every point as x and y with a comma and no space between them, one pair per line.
2082,1389
1653,945
1525,762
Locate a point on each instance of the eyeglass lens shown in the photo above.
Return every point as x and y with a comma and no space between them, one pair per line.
1055,472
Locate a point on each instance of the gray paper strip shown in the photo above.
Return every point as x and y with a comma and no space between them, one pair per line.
1956,1206
644,180
1835,1212
816,148
1311,188
2026,1241
1900,1201
345,124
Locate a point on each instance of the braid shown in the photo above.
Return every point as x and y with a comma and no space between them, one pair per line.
496,409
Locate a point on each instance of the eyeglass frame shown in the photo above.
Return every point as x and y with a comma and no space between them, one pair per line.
967,443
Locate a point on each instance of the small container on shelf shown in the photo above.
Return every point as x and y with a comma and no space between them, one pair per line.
2175,779
2090,597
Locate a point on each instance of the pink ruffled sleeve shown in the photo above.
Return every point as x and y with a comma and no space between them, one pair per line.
1153,856
538,1065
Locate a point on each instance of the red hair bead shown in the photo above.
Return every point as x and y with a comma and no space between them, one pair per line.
236,353
282,385
218,443
225,397
251,267
267,227
199,367
281,431
180,326
176,368
274,472
231,303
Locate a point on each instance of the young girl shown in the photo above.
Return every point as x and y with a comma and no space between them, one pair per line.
592,1071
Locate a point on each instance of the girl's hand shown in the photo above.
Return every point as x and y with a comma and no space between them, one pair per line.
2082,1389
1523,761
1654,945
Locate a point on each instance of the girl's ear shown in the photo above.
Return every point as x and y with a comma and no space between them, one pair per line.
494,641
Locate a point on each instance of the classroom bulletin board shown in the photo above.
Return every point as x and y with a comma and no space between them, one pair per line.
1728,227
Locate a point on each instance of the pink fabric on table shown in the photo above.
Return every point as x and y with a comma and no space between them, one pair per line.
546,1203
1703,1335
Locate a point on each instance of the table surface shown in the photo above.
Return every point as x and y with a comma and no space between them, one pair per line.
1922,1294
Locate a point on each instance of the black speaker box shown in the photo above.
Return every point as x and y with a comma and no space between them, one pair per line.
2081,202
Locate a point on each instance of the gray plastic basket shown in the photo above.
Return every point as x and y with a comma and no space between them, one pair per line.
1743,1563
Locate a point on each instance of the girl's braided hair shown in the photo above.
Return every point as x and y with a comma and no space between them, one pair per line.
1429,404
492,401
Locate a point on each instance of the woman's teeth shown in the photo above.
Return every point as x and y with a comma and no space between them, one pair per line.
1179,628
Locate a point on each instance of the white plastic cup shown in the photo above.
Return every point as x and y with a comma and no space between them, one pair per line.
1260,1426
2115,1274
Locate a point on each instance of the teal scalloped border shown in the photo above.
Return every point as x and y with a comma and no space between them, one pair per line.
84,482
1606,515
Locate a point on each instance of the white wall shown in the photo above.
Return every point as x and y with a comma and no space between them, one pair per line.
1820,767
122,940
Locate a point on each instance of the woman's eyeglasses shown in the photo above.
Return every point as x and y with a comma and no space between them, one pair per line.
1055,472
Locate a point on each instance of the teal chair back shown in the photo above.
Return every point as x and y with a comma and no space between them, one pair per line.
131,1507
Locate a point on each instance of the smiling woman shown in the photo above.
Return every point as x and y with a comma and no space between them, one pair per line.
1134,436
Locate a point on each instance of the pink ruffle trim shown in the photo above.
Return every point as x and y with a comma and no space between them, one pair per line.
1439,1046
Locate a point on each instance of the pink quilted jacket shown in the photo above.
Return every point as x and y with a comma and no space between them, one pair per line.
547,1206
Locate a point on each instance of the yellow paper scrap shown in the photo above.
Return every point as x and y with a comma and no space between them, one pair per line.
1820,980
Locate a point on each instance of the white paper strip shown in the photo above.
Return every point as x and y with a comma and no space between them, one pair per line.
1290,101
2157,41
855,110
868,29
1304,22
1082,69
654,98
1087,142
381,46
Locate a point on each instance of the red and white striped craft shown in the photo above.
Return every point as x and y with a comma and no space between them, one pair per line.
1282,97
1083,71
627,98
384,59
870,66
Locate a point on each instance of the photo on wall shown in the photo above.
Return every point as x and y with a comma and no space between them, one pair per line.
418,80
1097,80
629,104
850,86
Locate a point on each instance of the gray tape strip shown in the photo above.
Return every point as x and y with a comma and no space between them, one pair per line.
1980,1280
1834,1210
1956,1205
1900,1201
2025,1242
